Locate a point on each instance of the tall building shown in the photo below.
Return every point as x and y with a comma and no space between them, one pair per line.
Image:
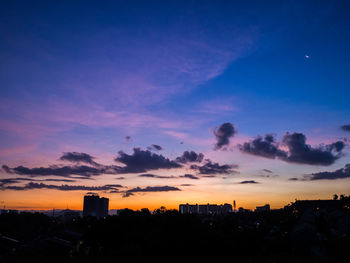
95,206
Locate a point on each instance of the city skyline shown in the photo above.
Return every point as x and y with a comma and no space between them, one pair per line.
166,103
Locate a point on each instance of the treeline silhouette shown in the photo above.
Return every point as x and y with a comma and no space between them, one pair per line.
285,235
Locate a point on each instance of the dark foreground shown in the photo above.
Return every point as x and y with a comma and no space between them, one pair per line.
286,235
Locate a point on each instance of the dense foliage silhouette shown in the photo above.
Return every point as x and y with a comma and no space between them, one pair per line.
297,233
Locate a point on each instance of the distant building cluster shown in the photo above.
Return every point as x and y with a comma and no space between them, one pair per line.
95,206
8,211
205,209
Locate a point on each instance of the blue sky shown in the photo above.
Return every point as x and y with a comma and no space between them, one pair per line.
81,76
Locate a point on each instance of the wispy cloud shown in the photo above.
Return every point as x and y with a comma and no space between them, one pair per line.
64,187
148,189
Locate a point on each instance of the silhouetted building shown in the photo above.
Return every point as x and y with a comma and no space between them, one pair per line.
95,206
226,208
205,209
264,208
243,210
68,215
188,209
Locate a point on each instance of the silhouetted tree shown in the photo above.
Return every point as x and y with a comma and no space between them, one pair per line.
145,212
160,210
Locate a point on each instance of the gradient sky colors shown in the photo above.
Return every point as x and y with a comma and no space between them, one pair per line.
108,97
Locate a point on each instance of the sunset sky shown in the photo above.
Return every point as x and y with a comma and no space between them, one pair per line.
157,103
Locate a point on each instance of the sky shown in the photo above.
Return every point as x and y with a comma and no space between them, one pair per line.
158,103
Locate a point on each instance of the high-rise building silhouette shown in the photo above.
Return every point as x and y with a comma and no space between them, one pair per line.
95,206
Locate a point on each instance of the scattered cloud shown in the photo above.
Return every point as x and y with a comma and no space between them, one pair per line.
77,157
345,127
142,161
267,171
223,134
190,176
214,168
293,179
155,147
190,157
265,147
249,182
337,174
298,151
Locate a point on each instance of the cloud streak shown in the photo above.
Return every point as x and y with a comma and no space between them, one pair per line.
337,174
189,176
157,176
8,181
83,171
64,187
249,182
148,189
